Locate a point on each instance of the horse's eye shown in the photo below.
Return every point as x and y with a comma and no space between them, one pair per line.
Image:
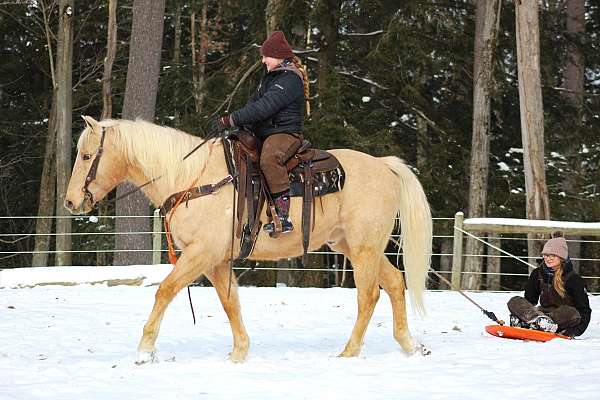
86,157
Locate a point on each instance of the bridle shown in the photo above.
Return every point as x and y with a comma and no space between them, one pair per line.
91,175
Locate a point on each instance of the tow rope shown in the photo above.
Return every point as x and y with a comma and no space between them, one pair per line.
487,313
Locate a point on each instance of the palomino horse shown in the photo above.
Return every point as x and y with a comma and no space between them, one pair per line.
356,221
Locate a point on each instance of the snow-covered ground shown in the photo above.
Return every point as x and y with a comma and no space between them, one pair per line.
79,342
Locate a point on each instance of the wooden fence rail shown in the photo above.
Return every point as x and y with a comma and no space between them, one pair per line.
509,225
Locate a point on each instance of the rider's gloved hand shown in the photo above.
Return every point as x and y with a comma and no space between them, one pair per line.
223,123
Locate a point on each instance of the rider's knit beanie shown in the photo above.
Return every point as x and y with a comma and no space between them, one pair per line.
557,246
276,46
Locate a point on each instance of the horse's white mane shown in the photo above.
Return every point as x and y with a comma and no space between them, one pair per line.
158,150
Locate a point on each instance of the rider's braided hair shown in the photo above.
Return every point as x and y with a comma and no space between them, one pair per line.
302,69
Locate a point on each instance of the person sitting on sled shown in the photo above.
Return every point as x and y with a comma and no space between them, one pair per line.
564,304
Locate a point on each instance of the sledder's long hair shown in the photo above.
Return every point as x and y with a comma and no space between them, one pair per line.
558,282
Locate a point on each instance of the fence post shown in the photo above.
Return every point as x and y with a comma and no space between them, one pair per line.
157,237
457,251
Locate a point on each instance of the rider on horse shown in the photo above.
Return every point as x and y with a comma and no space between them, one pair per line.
275,114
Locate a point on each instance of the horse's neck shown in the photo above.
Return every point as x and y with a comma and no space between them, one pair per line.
206,173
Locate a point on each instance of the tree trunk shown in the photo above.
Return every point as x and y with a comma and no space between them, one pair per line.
573,77
43,226
487,22
532,116
199,58
273,14
195,86
140,101
64,107
111,52
328,17
177,61
445,263
422,146
290,16
575,62
493,266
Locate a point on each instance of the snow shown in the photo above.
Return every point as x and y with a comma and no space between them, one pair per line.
584,149
79,342
503,166
29,277
537,223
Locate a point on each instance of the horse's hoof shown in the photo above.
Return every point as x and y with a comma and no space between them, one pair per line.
146,357
348,353
409,345
237,357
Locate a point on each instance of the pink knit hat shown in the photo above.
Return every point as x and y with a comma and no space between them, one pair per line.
557,246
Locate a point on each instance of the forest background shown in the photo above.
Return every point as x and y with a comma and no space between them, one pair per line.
388,77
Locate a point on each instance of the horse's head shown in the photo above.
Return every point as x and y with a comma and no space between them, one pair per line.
98,168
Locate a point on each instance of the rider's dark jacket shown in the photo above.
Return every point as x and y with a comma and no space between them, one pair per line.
539,287
277,105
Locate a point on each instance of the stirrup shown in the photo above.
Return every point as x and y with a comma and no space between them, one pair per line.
247,243
286,226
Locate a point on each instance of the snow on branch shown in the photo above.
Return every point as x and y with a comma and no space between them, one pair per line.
420,113
378,32
366,80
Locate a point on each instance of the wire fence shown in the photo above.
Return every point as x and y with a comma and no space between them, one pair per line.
93,239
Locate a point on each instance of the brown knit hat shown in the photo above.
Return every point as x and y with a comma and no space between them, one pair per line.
557,246
276,46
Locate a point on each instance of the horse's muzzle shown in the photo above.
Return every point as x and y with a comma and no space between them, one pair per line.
79,210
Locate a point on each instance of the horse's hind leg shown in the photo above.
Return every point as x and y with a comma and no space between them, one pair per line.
367,287
185,272
392,281
219,277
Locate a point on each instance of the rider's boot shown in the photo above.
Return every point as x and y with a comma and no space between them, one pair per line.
282,207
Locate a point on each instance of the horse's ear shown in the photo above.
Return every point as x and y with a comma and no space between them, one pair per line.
91,123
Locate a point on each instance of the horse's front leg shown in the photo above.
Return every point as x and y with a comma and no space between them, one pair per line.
219,277
188,268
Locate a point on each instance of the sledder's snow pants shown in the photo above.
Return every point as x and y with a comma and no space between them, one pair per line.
565,316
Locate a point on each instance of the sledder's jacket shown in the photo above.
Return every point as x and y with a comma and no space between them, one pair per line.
539,287
277,105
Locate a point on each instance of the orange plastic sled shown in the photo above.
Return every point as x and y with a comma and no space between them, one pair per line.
511,332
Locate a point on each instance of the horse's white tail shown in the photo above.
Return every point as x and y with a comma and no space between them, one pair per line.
417,231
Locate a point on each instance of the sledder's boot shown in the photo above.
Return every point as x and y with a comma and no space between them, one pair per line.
518,323
282,208
544,323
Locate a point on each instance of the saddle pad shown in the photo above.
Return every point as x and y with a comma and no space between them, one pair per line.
512,332
324,182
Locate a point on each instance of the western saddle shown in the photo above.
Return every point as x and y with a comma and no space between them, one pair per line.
312,173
